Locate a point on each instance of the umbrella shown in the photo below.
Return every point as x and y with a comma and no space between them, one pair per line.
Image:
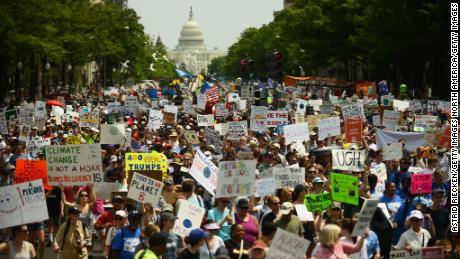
54,103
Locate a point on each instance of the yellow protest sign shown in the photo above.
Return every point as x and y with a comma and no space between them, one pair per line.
71,140
147,162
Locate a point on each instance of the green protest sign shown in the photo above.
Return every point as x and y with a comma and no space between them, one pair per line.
318,202
344,188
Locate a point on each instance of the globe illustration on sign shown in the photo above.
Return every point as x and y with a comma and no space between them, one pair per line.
113,130
207,172
301,106
187,223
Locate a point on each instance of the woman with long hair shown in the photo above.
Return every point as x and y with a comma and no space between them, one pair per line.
19,247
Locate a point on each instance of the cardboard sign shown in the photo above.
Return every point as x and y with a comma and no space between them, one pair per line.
400,105
201,101
204,171
353,130
353,111
287,245
145,189
146,161
113,134
326,109
303,213
258,118
296,132
26,113
329,127
154,174
381,172
365,217
205,120
421,183
236,178
392,151
189,218
29,170
265,186
74,164
348,159
131,105
318,202
155,119
237,129
191,137
275,118
390,119
89,119
345,188
288,177
22,203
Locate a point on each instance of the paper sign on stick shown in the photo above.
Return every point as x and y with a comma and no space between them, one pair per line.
296,132
287,245
392,151
145,189
381,172
155,119
365,217
204,171
303,213
189,218
236,178
329,127
353,131
259,118
345,188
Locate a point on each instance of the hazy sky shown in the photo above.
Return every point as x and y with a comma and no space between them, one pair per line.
222,21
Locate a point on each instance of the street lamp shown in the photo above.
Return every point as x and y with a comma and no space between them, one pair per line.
18,81
69,68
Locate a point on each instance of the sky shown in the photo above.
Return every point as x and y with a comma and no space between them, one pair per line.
222,21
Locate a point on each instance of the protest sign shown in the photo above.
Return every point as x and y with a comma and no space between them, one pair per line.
247,92
300,118
74,164
421,183
131,105
259,118
104,189
265,186
381,172
301,106
155,119
112,134
189,217
329,127
169,118
40,110
201,101
57,112
353,131
221,110
204,171
237,129
413,139
112,107
432,253
34,144
326,109
89,119
318,202
390,119
376,121
392,151
145,189
423,253
296,132
313,120
154,174
213,138
275,118
205,120
236,178
303,213
73,140
345,188
365,217
191,137
425,122
400,105
288,177
26,113
3,124
146,161
353,111
287,245
385,100
343,159
29,170
315,104
22,203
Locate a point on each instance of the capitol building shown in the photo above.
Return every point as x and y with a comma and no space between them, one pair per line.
191,51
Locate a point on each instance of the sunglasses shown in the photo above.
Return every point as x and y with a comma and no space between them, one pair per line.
311,172
415,220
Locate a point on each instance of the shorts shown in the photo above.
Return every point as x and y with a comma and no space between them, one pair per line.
33,227
55,221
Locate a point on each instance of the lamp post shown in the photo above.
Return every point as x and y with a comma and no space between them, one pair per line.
45,88
69,69
18,82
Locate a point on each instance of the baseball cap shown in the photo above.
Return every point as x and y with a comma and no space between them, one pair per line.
168,208
259,244
197,234
286,208
416,214
211,226
318,179
336,205
121,213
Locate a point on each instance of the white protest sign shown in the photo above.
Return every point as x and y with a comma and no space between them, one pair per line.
89,119
191,137
259,118
35,144
392,151
221,110
104,189
205,120
131,104
301,106
329,127
316,104
390,119
171,109
247,92
296,132
237,129
236,178
233,97
287,245
57,112
288,177
3,124
40,109
26,113
201,101
376,120
265,186
222,128
425,121
145,189
204,171
381,172
275,118
348,159
112,134
401,105
155,119
354,110
189,217
74,164
112,107
303,213
326,109
213,138
365,217
22,204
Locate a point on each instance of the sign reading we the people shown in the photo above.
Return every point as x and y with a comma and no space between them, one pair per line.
74,164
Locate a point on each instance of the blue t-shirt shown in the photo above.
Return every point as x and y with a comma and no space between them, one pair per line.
392,204
125,242
216,215
372,244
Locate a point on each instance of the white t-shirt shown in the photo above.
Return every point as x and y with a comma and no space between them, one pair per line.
416,240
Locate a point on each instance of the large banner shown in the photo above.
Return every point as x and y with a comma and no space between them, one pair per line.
22,203
413,139
345,188
236,178
343,159
74,164
204,171
287,245
189,217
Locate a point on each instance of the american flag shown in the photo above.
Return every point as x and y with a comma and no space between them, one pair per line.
212,95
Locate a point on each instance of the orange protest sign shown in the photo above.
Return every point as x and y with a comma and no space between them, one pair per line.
353,130
29,170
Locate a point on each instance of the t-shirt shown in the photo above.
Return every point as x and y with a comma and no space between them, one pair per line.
125,242
292,225
217,216
392,204
53,202
440,221
149,254
234,249
187,254
172,246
